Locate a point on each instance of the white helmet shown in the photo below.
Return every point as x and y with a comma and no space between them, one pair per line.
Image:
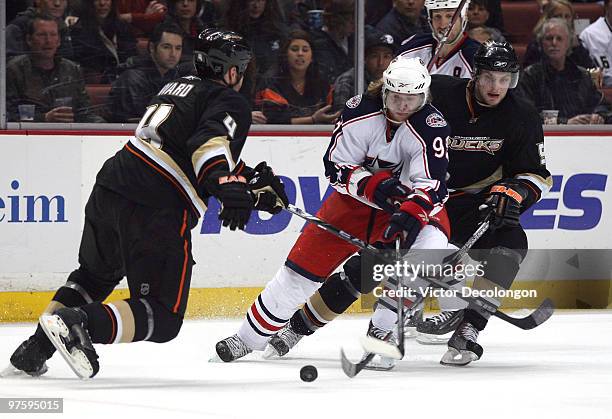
407,76
432,5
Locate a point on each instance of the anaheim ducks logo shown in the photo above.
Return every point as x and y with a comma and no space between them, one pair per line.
486,144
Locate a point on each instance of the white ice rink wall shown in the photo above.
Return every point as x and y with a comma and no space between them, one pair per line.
45,179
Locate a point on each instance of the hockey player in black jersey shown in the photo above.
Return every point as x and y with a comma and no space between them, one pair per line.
145,202
496,167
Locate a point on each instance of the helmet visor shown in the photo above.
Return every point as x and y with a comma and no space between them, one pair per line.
498,79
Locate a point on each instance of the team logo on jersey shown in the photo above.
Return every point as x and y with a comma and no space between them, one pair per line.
374,164
353,102
486,144
435,120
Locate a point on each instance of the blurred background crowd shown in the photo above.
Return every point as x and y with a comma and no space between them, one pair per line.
102,60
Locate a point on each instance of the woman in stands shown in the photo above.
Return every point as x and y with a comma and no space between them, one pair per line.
101,41
578,54
294,92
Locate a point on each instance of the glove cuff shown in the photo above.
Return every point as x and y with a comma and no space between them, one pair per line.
372,183
416,211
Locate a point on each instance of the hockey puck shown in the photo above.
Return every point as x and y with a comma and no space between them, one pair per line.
308,373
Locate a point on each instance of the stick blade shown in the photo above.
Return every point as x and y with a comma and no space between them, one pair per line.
536,318
380,347
349,368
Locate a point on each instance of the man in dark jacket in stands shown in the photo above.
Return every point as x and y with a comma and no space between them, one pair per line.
379,51
407,18
333,44
135,87
17,29
54,85
556,83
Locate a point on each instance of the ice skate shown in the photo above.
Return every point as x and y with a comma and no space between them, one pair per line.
282,342
380,342
232,348
411,323
438,329
66,328
28,359
462,346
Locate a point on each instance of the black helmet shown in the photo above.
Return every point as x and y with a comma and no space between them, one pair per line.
216,51
497,56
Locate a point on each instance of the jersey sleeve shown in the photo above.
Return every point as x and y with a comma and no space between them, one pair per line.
526,161
429,160
218,141
345,157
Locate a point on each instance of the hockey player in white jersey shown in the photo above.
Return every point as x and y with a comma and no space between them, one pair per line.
597,38
456,56
388,146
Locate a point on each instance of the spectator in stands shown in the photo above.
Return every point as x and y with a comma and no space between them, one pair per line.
260,22
375,10
578,53
141,15
54,85
379,51
477,15
406,18
184,13
597,39
333,44
135,87
483,34
295,93
557,83
17,29
101,41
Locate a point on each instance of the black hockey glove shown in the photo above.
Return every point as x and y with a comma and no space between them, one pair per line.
385,190
235,197
504,203
407,222
268,190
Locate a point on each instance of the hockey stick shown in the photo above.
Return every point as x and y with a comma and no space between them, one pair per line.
444,39
536,318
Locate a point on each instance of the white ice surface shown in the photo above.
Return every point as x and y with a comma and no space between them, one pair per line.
562,369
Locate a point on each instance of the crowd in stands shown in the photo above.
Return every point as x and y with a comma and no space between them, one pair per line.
103,60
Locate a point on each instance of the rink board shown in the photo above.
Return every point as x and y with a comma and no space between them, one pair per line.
45,181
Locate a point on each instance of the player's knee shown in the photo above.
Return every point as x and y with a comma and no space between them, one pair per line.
167,324
353,275
513,238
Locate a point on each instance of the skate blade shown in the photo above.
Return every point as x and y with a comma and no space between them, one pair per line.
410,332
380,363
270,353
380,347
216,360
11,371
55,328
428,339
456,358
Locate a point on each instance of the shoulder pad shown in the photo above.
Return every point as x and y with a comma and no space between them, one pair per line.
430,123
360,105
416,41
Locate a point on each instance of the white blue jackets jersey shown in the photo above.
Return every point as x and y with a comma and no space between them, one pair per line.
597,38
364,142
458,63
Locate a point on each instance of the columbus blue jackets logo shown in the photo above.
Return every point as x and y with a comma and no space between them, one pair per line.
374,164
435,120
353,102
